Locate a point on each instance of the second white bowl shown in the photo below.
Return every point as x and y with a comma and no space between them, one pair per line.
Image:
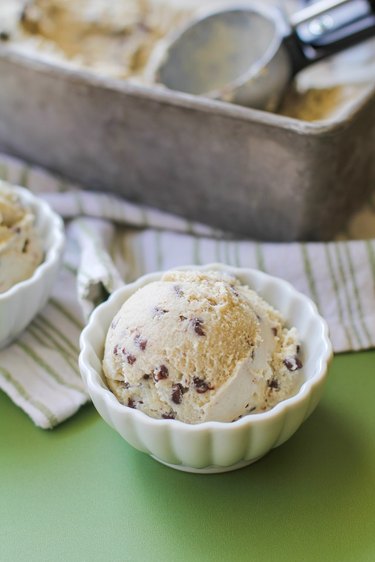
20,304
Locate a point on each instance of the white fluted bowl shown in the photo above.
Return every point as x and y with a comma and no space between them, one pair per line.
22,302
213,446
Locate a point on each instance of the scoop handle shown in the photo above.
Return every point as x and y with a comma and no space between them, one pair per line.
328,27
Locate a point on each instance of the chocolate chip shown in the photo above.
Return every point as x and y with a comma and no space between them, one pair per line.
4,36
131,359
274,331
161,374
141,343
201,386
236,294
177,392
131,403
298,348
292,363
273,383
164,370
158,312
197,325
170,416
146,377
182,317
25,246
179,292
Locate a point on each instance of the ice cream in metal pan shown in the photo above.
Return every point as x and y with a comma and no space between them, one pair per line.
256,173
112,39
200,346
127,38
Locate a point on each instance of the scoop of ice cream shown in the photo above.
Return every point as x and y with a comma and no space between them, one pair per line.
20,246
199,346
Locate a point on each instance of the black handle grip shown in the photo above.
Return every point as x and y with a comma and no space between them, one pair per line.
327,28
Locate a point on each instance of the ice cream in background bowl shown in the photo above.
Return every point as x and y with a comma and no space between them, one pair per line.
21,249
31,247
206,368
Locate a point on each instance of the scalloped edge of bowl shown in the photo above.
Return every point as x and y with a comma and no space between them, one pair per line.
134,425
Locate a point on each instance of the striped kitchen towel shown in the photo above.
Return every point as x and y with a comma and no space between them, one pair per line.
111,241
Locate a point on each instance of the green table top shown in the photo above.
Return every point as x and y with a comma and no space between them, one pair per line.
81,493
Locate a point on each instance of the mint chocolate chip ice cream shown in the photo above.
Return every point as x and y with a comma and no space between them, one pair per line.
200,346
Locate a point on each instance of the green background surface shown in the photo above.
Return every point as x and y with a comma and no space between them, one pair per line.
80,492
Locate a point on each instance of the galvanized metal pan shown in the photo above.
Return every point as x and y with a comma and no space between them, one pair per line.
250,172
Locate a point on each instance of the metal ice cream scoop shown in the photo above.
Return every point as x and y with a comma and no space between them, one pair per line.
248,53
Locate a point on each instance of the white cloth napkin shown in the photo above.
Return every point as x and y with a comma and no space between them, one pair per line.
111,241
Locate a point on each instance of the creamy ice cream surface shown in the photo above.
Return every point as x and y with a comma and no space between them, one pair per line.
112,38
20,246
200,346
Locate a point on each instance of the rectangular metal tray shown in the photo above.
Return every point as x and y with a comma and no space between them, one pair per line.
254,173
